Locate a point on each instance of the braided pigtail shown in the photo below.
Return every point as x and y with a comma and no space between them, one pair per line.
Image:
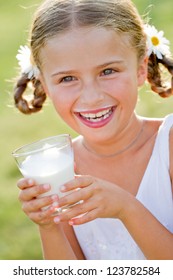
30,72
25,106
159,55
155,75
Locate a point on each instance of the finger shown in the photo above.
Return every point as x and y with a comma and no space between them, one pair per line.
75,196
36,204
32,192
85,218
42,216
78,182
24,183
74,211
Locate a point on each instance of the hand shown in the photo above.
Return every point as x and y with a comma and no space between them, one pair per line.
33,206
99,199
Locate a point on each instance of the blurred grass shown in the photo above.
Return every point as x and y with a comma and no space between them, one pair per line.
18,236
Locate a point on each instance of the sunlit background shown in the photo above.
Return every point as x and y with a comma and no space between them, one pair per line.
18,236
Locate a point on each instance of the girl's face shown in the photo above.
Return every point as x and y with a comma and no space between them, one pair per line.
92,77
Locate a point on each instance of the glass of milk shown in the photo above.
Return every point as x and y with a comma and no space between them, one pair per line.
47,161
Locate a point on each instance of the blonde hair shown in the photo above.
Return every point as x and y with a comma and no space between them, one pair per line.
54,17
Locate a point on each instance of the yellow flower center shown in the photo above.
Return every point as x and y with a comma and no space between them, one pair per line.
155,41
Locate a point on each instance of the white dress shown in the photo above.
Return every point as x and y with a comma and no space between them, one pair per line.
107,238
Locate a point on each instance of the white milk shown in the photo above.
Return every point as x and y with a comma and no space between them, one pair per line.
49,167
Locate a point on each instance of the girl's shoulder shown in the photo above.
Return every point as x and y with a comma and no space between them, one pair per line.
155,125
168,119
153,122
160,127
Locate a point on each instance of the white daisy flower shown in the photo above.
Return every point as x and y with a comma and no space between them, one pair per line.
24,61
156,42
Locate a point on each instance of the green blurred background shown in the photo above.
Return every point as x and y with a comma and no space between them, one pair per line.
18,236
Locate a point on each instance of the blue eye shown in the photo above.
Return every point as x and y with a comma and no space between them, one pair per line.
107,72
68,79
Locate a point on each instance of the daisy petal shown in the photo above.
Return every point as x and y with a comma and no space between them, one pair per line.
156,43
24,61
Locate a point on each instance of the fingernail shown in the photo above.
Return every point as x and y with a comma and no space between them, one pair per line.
30,182
54,197
55,204
56,219
46,187
63,188
71,223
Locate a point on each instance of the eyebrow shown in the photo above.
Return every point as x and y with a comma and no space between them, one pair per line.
63,73
109,63
98,67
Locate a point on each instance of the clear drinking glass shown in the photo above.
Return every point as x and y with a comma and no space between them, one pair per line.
47,161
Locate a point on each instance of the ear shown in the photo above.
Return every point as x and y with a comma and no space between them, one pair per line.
142,71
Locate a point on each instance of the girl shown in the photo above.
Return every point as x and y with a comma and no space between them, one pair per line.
90,58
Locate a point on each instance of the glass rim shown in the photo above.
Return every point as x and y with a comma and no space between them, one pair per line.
16,153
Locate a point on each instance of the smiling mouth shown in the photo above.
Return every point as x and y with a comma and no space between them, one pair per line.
100,117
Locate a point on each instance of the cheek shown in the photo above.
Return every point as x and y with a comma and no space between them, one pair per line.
122,88
60,98
125,91
63,110
63,104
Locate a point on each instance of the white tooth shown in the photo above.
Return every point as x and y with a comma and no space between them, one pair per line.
100,114
104,112
97,115
92,116
86,115
106,116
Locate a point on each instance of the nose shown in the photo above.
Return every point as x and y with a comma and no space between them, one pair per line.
91,93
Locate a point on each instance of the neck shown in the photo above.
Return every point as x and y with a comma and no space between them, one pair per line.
120,151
